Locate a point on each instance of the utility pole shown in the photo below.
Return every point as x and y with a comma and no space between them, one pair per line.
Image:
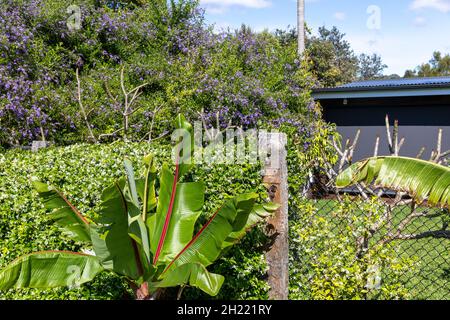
301,26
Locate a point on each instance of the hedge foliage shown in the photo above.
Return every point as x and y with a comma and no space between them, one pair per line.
81,172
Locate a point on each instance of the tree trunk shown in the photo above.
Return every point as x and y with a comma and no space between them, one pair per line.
142,292
301,26
125,126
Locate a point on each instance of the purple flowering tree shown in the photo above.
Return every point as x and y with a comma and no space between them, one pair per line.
242,78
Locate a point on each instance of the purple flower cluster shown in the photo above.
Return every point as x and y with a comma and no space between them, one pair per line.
250,91
19,111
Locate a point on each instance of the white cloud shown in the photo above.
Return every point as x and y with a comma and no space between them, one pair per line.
440,5
217,9
420,21
340,16
257,4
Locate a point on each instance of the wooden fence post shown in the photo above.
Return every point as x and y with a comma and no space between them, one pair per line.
36,145
275,178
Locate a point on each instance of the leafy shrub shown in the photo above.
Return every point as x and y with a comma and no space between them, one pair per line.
250,79
326,263
82,171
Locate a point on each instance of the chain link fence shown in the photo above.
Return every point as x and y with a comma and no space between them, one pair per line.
417,235
365,242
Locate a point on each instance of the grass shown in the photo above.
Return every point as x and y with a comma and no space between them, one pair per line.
431,277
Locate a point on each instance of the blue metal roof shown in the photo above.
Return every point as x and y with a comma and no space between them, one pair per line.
403,87
435,81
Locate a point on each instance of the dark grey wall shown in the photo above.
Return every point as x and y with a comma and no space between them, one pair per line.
416,138
362,115
419,120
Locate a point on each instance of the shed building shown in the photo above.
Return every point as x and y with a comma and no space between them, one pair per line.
421,105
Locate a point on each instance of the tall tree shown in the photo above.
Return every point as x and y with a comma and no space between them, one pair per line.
370,67
439,65
332,58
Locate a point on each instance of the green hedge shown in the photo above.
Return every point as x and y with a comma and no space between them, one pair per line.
81,172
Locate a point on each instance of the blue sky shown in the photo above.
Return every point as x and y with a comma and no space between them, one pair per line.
403,32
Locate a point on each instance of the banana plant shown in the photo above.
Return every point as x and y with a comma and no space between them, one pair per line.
421,179
143,233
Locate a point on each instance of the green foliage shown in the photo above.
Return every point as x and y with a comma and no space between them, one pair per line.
439,65
240,266
326,263
421,179
370,67
50,269
65,215
332,58
81,171
303,163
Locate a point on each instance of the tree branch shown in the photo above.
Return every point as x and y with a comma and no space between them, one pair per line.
83,111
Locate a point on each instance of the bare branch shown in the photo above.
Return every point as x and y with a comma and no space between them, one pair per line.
83,111
400,144
202,117
135,96
395,138
157,138
388,135
438,234
444,155
104,135
377,144
137,88
339,151
42,133
155,111
421,152
439,156
122,81
90,111
108,92
343,160
353,146
439,143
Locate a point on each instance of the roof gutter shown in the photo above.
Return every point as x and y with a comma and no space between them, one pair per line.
379,92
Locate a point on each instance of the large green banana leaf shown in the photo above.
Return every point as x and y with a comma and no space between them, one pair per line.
49,269
112,244
64,213
136,225
240,228
179,204
185,149
195,275
421,179
182,203
207,245
146,188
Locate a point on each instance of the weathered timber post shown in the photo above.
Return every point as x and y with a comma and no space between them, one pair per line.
275,178
36,145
